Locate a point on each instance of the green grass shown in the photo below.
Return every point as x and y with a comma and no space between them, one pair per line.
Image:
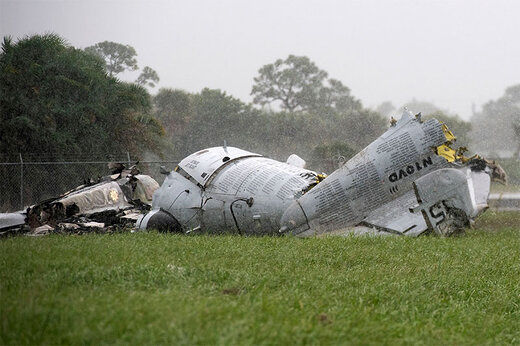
154,288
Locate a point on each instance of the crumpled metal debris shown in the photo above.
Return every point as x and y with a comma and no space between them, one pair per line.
113,203
408,181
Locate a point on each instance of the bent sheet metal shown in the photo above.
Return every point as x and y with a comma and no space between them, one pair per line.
408,181
112,203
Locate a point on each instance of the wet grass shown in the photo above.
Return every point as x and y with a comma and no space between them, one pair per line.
152,288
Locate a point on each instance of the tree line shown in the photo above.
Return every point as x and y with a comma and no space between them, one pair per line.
61,99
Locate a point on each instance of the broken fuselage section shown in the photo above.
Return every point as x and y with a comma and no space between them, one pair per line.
226,189
408,181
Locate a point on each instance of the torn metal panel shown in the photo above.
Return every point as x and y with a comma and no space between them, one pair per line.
395,217
8,220
145,186
11,222
42,230
113,202
97,198
447,152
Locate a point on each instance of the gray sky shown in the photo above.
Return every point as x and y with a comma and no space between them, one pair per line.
451,53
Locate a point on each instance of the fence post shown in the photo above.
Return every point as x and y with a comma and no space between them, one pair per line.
128,156
21,181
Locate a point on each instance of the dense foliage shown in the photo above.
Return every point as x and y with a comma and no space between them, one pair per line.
117,57
208,118
299,85
58,101
55,98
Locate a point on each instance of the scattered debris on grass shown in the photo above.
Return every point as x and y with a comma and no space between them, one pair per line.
111,204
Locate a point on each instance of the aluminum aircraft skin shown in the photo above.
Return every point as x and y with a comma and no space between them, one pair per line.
409,181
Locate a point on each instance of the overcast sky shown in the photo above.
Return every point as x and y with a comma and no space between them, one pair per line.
451,53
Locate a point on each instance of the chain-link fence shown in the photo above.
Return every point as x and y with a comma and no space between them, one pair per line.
26,179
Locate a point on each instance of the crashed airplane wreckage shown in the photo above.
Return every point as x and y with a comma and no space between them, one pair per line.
409,181
109,204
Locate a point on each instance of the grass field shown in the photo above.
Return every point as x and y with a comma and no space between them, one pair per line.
154,288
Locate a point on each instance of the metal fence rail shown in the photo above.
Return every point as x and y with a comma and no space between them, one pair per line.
29,180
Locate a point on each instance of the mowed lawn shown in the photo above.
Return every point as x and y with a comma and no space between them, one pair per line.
157,288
